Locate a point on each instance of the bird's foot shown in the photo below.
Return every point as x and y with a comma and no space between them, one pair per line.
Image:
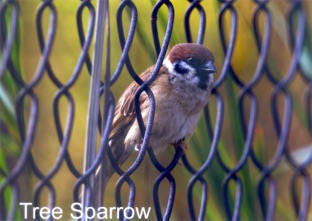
137,147
181,143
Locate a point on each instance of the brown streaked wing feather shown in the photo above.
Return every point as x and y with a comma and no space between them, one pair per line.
125,109
122,123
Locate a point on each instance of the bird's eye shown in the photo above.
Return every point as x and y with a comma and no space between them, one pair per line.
180,68
190,60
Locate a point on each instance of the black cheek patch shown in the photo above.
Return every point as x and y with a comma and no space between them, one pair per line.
180,69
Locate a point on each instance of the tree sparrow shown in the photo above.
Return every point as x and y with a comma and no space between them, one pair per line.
181,90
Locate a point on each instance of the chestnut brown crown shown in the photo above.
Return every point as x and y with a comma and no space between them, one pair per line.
187,51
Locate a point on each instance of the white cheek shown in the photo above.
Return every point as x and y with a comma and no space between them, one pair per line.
168,65
191,76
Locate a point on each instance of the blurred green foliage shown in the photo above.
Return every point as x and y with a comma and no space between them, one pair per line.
9,137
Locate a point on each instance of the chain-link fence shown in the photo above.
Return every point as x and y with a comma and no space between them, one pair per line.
63,63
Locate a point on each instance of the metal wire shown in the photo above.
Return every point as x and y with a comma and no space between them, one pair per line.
233,187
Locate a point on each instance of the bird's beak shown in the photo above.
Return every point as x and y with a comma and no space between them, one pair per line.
208,68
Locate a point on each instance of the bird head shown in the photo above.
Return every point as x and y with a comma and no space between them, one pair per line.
191,63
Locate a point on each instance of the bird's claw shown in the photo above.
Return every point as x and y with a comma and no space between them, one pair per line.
137,147
181,143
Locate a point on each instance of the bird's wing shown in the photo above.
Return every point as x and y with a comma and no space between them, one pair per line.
125,108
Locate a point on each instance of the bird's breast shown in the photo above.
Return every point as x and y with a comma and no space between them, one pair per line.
177,113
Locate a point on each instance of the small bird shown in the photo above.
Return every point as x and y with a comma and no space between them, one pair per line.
181,89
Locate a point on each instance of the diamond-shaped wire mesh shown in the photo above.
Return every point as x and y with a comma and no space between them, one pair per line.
64,64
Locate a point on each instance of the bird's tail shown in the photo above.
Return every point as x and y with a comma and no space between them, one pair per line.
106,169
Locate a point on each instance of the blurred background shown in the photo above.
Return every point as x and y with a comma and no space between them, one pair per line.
63,59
